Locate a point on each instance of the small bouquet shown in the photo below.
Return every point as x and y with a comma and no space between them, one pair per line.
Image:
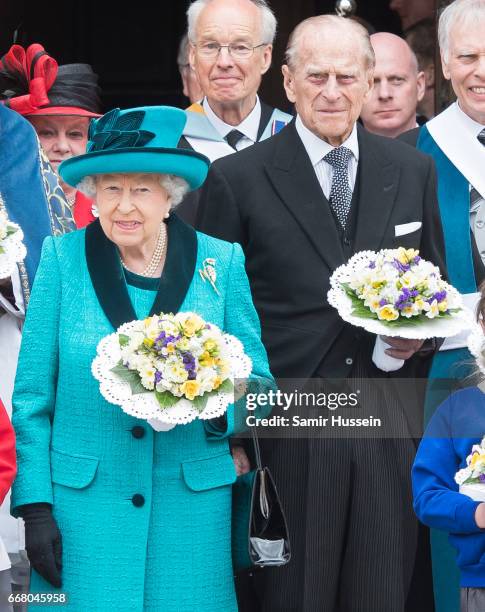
12,249
394,292
471,479
170,369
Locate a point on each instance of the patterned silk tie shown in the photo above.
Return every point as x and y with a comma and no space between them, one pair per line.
474,195
340,193
233,138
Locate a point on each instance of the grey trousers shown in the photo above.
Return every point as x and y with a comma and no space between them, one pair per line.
472,600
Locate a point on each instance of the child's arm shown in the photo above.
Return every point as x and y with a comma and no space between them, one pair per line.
437,501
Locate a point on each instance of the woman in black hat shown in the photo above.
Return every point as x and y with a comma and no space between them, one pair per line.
59,101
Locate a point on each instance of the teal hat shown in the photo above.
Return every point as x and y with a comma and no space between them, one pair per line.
137,140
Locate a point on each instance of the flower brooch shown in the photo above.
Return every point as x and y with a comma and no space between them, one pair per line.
208,272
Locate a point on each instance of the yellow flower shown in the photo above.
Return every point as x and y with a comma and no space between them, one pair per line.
190,389
387,313
210,345
443,306
217,382
206,360
475,458
411,254
148,342
170,348
192,325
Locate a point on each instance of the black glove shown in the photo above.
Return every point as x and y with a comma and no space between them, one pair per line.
43,541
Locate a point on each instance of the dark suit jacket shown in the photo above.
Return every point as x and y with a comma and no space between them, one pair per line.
187,209
269,200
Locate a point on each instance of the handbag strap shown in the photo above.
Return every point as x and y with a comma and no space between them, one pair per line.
263,493
257,449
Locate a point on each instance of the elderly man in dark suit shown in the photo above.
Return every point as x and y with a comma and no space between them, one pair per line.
301,204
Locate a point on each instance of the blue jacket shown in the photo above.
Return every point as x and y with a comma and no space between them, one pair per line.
145,516
456,426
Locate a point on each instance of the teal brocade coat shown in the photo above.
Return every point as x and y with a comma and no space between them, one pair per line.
171,551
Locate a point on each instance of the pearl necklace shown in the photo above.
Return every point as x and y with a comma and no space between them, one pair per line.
158,254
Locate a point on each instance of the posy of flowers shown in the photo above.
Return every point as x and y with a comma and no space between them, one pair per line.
397,285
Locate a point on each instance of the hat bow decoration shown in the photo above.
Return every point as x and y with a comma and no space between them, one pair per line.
26,77
113,131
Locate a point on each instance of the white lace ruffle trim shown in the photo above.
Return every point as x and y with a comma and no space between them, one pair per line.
434,328
145,405
14,252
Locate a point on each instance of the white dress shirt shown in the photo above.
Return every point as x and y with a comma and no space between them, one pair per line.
318,148
248,127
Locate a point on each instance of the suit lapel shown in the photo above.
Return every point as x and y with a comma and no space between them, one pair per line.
107,276
108,279
293,177
378,184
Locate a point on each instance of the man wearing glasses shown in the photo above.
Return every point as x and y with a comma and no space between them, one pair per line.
230,50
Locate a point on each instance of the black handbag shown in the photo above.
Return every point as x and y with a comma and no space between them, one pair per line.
259,529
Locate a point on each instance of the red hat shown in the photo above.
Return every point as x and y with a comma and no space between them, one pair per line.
32,83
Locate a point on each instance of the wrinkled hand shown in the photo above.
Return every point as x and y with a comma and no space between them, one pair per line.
43,542
402,348
241,461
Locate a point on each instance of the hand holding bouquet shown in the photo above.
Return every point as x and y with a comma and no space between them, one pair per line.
170,368
12,249
394,292
472,478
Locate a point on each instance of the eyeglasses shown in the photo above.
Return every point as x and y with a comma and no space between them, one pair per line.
210,50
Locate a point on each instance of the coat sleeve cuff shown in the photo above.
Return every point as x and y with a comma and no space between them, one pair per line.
465,517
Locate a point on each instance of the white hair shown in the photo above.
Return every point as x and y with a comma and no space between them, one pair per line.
332,22
268,20
175,186
459,11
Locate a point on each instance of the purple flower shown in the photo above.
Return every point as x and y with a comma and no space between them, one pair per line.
400,266
417,259
192,375
383,302
372,265
439,296
158,376
481,477
404,299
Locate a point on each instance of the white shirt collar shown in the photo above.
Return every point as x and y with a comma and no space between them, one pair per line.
472,126
249,126
318,148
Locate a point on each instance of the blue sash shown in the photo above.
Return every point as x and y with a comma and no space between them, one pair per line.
199,126
454,204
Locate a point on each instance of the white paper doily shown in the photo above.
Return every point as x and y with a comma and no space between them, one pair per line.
475,491
476,344
432,328
145,405
15,252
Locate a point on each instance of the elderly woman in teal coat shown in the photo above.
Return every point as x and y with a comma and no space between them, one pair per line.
119,516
